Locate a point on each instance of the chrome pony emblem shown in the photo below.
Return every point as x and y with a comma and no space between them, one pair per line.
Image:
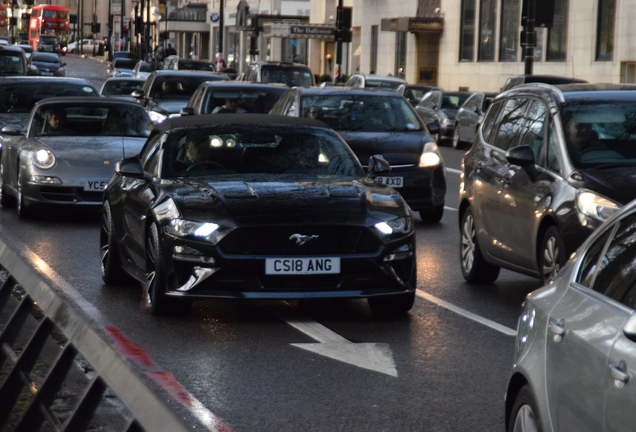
301,239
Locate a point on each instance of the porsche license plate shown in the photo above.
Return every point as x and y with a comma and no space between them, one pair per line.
396,182
95,185
302,266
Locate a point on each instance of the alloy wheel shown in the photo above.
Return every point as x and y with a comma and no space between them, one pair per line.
456,138
525,420
468,243
551,264
152,265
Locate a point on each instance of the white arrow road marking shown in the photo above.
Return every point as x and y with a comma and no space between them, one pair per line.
372,356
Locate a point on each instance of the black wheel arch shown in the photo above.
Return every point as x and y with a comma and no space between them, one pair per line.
516,383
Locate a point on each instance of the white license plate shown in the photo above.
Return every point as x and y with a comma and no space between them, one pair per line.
95,185
396,182
302,266
47,73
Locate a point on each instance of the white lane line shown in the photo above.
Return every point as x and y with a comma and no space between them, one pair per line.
450,208
453,170
481,320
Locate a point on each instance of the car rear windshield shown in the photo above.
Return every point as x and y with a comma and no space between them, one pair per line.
246,149
20,97
600,132
121,87
453,101
125,63
196,65
259,101
290,75
383,84
11,64
369,113
179,87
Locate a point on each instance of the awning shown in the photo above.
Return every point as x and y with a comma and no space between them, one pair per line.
413,24
299,31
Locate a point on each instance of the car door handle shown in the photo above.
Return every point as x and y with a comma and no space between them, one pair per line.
556,329
618,374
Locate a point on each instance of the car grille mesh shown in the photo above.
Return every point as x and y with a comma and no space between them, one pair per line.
276,240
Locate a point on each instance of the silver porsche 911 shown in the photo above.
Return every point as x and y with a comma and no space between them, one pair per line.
67,151
575,361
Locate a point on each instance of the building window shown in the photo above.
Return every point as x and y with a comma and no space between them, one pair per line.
538,50
400,53
558,34
467,32
294,50
487,30
605,30
509,40
374,49
628,72
233,49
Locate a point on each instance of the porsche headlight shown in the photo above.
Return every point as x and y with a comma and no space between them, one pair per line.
430,156
403,225
156,117
43,158
595,206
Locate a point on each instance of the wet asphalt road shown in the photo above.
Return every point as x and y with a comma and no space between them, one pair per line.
237,358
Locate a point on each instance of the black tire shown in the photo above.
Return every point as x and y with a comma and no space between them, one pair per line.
474,268
156,282
112,273
6,200
524,416
432,216
393,304
457,143
23,210
552,255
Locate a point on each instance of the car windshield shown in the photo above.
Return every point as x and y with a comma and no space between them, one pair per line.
369,113
76,119
121,87
453,101
48,40
382,83
292,76
45,58
246,149
600,133
125,63
178,87
242,101
20,97
195,65
10,64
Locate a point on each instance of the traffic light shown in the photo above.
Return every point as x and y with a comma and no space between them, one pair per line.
343,24
344,35
96,27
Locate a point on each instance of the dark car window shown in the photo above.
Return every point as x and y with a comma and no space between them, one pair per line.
149,156
453,101
382,84
554,158
292,76
247,150
122,63
473,103
488,125
616,276
178,87
195,65
510,122
600,132
11,63
259,101
590,261
121,87
20,97
354,112
534,132
45,58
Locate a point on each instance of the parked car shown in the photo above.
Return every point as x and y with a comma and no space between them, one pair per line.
174,62
48,43
360,80
514,81
68,152
239,209
167,91
48,64
87,46
440,106
372,122
469,117
216,96
575,352
548,166
415,92
290,74
121,88
121,67
142,70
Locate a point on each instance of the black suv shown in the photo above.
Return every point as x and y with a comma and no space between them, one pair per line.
548,166
291,74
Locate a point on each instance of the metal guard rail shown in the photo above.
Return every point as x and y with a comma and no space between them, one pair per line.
57,373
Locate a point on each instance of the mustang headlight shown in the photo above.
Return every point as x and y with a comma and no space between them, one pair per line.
430,156
186,228
403,225
43,158
595,206
156,117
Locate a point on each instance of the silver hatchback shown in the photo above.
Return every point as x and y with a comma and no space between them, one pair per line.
575,359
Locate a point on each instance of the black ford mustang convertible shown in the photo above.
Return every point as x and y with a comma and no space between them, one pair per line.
255,206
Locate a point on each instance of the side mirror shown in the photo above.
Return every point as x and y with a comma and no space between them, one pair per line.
32,70
137,94
378,165
629,329
186,111
523,156
12,130
130,167
433,128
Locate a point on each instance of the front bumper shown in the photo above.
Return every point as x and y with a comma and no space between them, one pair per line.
423,189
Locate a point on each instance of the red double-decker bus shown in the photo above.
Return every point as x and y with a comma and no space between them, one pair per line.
4,21
48,22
